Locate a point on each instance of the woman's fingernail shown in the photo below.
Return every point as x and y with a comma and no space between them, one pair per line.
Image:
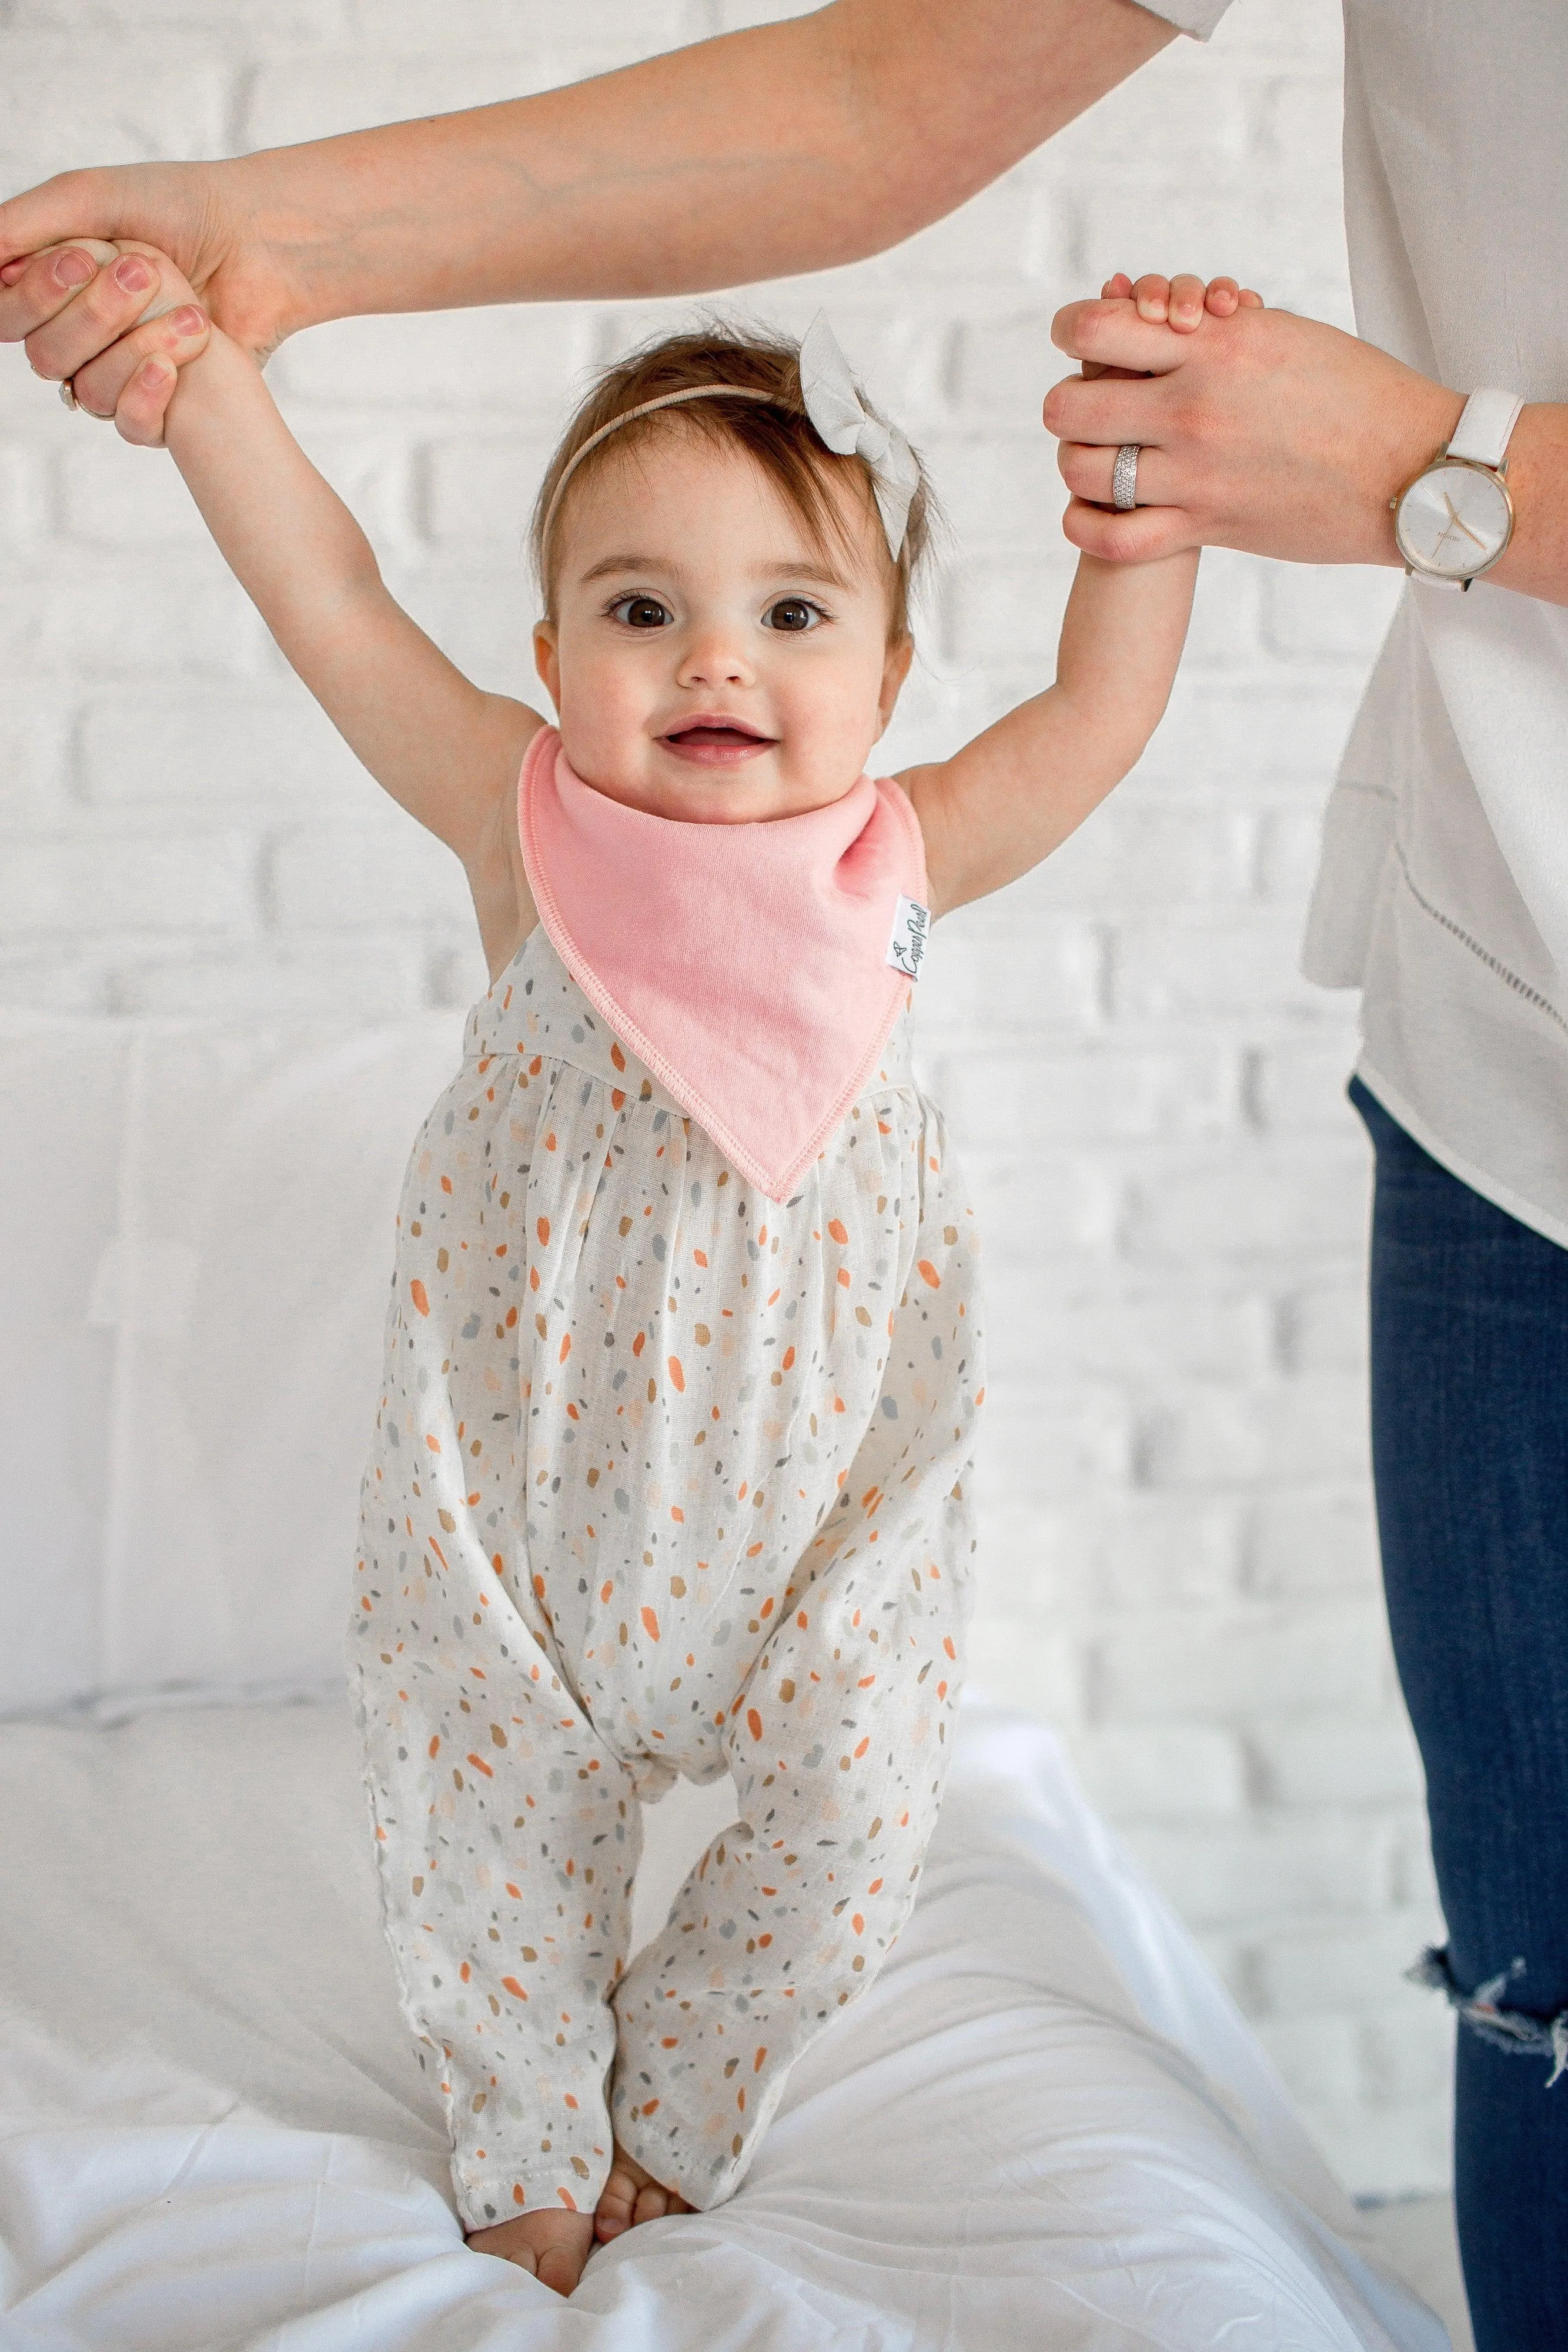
73,269
132,276
154,375
189,321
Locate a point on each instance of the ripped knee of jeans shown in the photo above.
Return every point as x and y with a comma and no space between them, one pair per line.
1486,2014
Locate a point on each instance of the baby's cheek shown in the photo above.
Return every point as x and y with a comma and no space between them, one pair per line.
829,731
604,722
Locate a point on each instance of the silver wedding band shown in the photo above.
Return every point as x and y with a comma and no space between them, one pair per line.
1124,478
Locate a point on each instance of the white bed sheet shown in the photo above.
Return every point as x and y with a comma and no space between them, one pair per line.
1044,2127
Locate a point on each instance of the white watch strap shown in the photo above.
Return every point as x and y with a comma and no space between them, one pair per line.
1485,425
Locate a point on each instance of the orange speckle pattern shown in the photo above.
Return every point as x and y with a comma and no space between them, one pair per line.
612,1534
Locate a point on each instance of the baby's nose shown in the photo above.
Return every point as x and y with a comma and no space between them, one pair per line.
716,660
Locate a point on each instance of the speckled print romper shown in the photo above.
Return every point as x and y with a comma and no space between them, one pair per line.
666,1478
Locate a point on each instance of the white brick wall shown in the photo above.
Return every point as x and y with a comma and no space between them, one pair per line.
1179,1567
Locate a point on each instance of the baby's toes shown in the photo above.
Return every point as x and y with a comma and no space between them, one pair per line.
617,2208
632,2195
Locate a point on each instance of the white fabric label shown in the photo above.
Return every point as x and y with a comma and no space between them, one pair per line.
906,948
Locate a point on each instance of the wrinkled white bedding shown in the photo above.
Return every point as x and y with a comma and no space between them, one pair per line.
1045,2126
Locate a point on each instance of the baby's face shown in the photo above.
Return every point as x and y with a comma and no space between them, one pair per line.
707,662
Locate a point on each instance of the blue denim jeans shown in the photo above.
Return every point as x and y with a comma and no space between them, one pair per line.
1470,1430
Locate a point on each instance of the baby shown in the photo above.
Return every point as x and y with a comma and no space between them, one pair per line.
670,1474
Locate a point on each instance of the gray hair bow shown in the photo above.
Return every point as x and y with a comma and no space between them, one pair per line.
835,408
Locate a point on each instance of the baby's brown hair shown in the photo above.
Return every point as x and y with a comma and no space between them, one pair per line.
775,432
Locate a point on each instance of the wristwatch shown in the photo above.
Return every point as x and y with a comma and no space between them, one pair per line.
1454,521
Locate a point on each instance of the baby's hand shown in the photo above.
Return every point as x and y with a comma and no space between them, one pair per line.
135,287
1180,302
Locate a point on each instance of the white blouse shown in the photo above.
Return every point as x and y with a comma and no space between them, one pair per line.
1443,889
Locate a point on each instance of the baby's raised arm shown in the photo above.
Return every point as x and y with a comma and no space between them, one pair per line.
448,753
1014,795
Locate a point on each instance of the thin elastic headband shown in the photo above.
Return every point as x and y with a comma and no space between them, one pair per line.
644,408
833,406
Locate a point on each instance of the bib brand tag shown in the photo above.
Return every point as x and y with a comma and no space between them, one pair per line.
906,948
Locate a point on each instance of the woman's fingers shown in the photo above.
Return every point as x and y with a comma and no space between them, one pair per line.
1139,537
1087,468
140,411
118,383
134,317
1113,335
36,287
118,294
1108,409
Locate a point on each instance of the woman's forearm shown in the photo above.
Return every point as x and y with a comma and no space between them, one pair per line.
784,148
1536,562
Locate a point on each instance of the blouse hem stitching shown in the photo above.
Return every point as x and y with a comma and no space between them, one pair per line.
1510,978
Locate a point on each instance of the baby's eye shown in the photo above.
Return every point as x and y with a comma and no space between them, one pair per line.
792,612
641,612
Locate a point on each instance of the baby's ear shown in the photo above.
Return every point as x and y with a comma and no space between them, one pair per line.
895,670
546,659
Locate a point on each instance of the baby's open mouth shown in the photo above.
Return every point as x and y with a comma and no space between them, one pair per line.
716,741
705,732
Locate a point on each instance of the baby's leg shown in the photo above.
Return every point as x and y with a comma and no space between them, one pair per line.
508,1834
839,1744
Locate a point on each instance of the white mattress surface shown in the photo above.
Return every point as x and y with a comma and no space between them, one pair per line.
1044,2127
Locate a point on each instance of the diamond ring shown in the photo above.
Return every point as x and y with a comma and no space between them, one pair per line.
1124,478
68,394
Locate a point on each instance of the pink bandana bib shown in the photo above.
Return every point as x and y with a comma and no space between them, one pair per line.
747,966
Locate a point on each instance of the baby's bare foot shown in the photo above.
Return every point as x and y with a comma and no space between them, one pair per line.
554,2246
632,2195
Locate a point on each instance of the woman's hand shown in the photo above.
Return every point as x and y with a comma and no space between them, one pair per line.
1263,431
134,296
83,315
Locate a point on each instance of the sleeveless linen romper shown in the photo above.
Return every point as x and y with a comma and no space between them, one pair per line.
666,1478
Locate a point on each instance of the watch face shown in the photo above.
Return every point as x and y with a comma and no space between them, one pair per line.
1453,520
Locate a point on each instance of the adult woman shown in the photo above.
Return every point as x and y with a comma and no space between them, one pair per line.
1444,889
